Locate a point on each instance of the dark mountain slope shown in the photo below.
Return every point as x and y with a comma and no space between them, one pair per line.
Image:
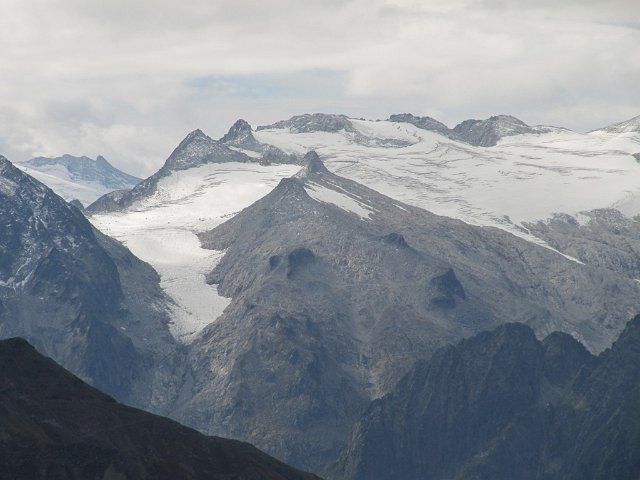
503,405
53,426
79,296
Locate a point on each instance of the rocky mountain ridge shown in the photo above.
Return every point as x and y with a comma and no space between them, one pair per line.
505,405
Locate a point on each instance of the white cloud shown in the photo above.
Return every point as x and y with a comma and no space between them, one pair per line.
129,79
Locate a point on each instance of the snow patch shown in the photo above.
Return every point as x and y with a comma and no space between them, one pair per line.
338,198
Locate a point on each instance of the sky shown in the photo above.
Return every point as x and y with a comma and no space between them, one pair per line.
129,79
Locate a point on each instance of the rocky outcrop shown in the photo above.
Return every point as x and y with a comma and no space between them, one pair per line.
316,122
240,135
487,133
425,123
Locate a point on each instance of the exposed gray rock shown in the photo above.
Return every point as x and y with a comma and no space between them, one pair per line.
240,135
487,133
330,307
601,238
316,122
636,156
481,133
77,203
426,123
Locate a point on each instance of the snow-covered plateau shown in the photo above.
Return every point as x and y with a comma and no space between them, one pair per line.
523,178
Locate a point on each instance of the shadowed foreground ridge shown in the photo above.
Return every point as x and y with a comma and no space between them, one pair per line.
504,405
54,426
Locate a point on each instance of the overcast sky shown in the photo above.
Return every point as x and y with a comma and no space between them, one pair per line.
129,78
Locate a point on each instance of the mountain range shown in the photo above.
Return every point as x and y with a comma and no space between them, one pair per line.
270,285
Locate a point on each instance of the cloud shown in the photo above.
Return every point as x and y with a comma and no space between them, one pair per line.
129,79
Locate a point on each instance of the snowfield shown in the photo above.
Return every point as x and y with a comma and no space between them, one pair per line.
161,230
523,178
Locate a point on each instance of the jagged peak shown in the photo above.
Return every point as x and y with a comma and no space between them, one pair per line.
198,148
240,128
195,134
290,186
312,164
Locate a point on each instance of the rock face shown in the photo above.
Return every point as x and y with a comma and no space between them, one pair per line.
602,238
315,122
487,133
81,297
504,405
426,123
55,427
336,290
196,149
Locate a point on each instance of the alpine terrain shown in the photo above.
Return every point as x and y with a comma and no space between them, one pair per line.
275,285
